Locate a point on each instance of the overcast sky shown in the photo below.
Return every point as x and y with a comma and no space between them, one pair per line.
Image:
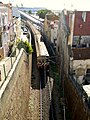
53,4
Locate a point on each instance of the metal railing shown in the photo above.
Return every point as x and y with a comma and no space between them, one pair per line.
41,102
81,91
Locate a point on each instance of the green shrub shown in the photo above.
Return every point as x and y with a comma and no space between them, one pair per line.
24,44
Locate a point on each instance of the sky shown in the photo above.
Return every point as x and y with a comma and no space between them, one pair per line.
53,4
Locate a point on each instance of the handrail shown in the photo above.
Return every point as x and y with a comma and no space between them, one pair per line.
7,65
41,114
81,91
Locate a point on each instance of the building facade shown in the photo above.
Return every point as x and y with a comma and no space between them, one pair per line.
73,52
6,28
51,27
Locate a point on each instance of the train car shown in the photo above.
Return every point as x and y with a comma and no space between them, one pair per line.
31,18
42,58
41,50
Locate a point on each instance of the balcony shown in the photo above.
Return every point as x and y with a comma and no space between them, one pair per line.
81,53
1,29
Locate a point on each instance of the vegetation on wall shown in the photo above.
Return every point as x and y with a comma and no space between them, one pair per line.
30,12
42,13
55,74
24,44
25,11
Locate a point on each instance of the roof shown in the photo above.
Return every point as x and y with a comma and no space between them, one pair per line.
52,17
43,49
87,89
30,17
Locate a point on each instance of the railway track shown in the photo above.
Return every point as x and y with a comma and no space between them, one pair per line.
40,98
39,105
46,96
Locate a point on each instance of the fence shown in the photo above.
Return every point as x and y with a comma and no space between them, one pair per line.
6,65
80,91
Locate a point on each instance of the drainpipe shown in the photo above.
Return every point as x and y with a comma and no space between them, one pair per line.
64,109
71,25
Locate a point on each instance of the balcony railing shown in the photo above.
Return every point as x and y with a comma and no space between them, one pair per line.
81,92
1,29
81,53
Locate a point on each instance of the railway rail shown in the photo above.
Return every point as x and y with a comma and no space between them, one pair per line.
42,96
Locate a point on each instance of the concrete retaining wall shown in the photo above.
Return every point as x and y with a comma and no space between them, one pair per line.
14,93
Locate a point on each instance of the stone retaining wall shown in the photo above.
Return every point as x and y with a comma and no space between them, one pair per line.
14,93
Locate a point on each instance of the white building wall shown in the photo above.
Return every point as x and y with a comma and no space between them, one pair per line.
54,31
5,13
52,35
5,43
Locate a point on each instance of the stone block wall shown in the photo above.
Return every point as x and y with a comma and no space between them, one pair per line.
14,93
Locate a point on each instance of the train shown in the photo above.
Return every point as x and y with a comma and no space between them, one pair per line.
41,50
31,18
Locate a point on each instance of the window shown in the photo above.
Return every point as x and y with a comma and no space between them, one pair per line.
88,71
58,48
84,16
